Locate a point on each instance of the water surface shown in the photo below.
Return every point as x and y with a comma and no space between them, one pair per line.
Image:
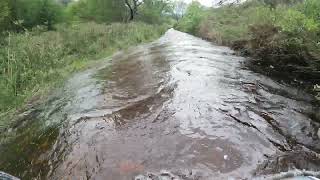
179,106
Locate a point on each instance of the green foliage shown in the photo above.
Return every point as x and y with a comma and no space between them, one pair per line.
179,9
298,23
192,19
97,10
78,11
22,14
106,10
155,11
4,16
227,23
275,3
150,11
26,14
50,13
284,33
4,11
31,61
294,21
35,57
311,9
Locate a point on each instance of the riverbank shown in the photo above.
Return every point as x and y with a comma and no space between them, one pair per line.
34,62
282,41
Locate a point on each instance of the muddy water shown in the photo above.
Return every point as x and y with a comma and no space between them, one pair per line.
179,107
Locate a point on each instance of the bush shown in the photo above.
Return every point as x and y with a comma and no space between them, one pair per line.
4,13
227,23
192,19
155,12
97,10
30,13
311,8
295,22
284,34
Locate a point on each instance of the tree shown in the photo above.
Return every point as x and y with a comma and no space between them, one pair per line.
49,13
29,13
133,5
155,11
107,10
98,10
79,11
193,16
179,9
274,3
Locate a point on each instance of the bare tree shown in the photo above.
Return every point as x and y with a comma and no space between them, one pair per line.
230,2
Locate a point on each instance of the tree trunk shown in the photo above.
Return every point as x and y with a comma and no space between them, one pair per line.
131,10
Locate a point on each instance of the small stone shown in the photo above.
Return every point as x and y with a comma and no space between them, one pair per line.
225,157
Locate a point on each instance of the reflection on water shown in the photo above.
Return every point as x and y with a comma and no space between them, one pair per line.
179,104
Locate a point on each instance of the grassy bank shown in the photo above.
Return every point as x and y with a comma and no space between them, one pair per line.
283,39
34,61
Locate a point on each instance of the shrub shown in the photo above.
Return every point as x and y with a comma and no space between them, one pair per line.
311,8
192,19
295,22
4,13
284,34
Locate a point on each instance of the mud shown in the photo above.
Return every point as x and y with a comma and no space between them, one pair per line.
179,107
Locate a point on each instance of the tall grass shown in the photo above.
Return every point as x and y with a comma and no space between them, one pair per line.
284,37
33,61
227,24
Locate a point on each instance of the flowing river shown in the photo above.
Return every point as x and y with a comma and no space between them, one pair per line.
179,106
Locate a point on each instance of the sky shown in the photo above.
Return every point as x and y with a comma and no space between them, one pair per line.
204,2
209,2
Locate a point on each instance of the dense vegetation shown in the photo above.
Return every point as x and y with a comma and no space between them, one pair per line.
33,60
43,41
282,36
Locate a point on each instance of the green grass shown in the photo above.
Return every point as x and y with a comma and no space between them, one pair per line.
31,63
286,36
298,23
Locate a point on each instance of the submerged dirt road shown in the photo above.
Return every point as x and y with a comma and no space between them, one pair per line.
178,105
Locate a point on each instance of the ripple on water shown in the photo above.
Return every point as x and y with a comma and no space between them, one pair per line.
179,104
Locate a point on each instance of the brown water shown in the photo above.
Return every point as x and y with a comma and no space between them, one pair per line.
179,106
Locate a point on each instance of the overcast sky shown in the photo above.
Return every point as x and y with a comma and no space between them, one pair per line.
204,2
210,2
